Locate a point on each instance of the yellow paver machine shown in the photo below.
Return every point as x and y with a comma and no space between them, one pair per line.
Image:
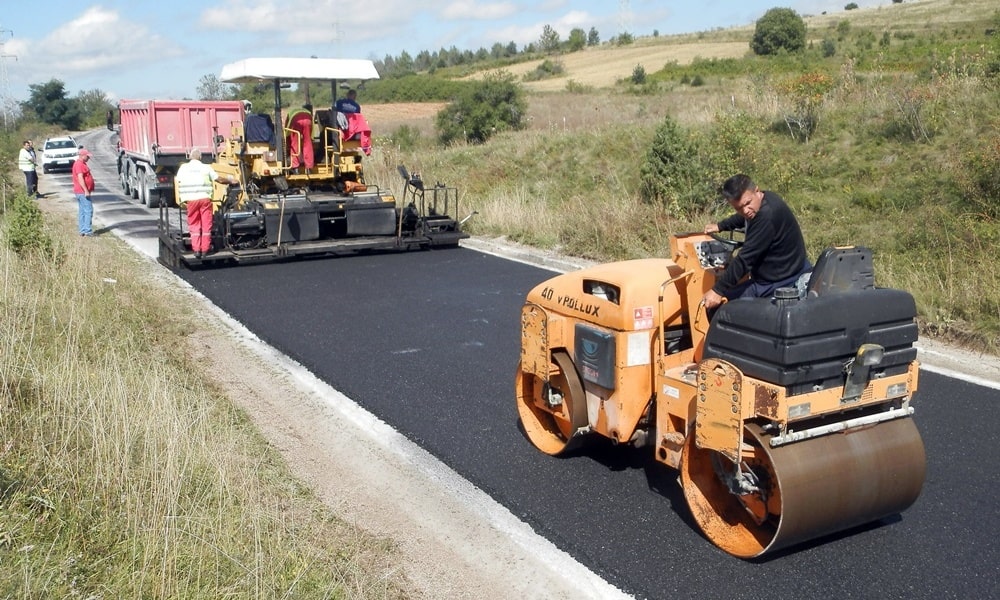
302,188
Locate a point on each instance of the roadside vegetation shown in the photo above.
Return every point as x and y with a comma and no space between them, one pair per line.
124,473
880,130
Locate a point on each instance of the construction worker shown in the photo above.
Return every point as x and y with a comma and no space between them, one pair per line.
194,190
26,162
299,140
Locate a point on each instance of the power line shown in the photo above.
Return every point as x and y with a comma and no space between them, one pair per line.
5,97
624,17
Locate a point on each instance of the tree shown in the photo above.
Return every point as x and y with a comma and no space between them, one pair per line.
49,103
210,88
577,40
851,6
489,106
404,64
639,75
593,38
779,29
549,42
93,107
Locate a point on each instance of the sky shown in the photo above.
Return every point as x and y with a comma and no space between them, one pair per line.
160,49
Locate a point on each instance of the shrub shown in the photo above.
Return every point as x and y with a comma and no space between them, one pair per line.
406,137
673,172
23,227
851,6
489,106
779,29
546,70
979,176
575,87
807,93
639,75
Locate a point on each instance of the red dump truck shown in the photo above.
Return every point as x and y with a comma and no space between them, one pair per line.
156,136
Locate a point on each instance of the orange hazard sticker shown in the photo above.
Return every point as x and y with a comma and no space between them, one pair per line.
642,317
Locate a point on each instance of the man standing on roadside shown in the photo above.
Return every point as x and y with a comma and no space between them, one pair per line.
26,162
194,192
83,187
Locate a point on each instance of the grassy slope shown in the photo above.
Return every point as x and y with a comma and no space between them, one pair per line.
570,180
125,471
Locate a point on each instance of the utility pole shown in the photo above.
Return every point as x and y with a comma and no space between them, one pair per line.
624,17
5,97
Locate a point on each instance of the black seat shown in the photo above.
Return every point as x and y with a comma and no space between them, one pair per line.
842,270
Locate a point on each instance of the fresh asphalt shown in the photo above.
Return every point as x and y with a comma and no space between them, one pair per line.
429,342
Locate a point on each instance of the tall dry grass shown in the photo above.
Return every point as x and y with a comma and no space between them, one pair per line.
125,474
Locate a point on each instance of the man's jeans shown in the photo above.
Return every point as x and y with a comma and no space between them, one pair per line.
85,216
752,288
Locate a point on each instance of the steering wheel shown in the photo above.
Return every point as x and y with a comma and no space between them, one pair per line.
732,241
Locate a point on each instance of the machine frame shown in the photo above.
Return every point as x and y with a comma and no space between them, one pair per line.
788,418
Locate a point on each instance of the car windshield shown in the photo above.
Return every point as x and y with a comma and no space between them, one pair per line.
59,145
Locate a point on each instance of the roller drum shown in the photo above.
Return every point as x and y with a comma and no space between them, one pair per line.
812,488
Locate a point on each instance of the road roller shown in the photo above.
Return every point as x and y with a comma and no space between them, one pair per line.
788,418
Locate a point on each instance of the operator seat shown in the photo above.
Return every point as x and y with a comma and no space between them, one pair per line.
842,270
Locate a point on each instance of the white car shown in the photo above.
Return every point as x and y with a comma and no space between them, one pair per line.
59,153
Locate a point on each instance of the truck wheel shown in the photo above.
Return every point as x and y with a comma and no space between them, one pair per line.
133,184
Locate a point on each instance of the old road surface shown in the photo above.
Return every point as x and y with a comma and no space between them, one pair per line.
428,343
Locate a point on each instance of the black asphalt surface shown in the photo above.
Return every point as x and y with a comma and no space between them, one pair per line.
429,341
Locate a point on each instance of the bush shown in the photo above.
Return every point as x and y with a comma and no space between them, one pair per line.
779,29
979,176
487,107
23,227
673,172
406,137
546,70
639,75
807,92
828,48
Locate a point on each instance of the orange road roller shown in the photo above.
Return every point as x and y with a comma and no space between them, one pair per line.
788,417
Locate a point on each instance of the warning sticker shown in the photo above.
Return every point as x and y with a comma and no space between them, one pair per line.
642,317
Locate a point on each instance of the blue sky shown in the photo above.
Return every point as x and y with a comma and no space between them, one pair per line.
162,48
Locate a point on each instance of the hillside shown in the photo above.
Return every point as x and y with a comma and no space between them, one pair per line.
883,132
604,66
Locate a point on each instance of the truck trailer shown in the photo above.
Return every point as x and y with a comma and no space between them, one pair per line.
156,137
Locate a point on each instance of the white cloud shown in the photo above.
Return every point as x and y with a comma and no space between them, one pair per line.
466,9
97,40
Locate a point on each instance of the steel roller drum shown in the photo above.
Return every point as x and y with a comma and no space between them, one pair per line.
825,484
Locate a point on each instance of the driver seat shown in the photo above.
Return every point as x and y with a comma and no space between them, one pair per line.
842,269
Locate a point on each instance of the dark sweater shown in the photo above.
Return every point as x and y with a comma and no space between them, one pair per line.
774,249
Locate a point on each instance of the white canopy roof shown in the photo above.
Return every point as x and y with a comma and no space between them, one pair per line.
252,70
